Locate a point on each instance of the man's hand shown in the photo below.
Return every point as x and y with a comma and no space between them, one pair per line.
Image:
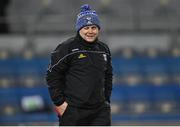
61,109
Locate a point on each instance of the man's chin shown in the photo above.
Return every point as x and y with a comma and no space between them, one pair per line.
90,41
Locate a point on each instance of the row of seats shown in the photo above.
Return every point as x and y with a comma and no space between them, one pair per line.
146,88
24,95
136,100
146,65
121,65
124,14
135,70
15,66
27,100
150,93
22,105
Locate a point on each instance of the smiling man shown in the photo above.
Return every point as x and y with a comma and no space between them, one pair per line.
89,33
79,76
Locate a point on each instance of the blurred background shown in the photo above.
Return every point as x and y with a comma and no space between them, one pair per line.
144,38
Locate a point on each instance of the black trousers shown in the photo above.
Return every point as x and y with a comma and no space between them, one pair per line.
74,116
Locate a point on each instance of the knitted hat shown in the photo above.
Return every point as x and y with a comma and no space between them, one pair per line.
87,17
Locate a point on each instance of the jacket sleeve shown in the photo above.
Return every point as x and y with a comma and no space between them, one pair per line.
108,78
55,75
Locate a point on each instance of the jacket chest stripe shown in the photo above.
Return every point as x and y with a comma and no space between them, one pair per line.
82,51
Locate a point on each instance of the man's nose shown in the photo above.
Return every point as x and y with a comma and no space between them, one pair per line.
90,30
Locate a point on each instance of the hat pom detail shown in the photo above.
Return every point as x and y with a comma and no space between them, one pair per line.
85,7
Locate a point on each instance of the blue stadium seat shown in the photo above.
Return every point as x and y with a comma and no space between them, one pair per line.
39,117
140,93
9,95
166,93
173,65
119,94
125,93
35,66
152,66
123,65
8,67
11,120
10,106
153,119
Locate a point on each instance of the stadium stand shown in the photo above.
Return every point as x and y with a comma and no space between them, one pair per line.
145,59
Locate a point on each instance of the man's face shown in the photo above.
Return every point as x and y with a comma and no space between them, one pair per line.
89,33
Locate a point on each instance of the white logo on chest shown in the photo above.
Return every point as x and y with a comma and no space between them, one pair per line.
105,57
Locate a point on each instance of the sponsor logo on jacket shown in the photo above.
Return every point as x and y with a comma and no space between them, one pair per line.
82,56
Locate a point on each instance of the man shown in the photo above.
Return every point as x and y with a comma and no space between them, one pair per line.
80,75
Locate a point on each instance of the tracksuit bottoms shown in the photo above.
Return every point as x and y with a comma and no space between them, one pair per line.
74,116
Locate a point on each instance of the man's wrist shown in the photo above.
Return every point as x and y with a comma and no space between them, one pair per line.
60,102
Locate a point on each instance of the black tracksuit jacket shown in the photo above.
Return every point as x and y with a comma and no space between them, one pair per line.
80,73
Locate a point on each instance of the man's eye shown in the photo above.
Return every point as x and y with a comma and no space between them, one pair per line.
86,28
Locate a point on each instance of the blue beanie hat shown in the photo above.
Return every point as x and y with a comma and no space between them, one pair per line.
87,17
